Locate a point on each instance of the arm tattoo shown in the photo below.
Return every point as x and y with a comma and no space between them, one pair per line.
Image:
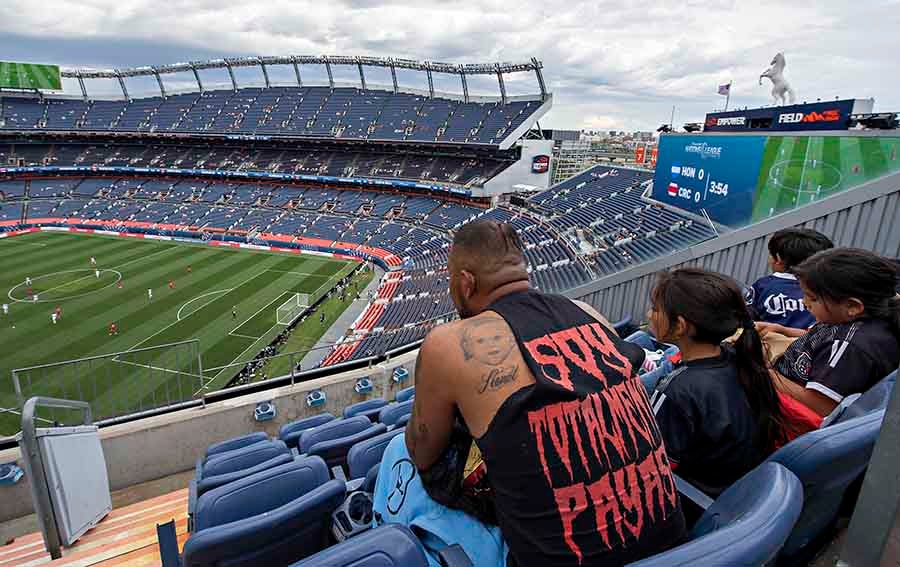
486,340
497,378
416,432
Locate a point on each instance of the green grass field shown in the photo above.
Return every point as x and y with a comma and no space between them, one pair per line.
253,283
29,76
797,170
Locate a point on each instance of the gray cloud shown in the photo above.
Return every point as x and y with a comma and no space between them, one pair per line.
609,64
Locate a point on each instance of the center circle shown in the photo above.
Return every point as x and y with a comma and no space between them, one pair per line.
826,172
57,298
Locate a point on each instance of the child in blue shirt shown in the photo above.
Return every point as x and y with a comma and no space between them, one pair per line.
777,298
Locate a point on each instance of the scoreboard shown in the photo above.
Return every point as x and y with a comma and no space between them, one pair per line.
717,174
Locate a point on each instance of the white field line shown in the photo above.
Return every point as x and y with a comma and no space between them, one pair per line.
17,241
176,321
336,276
244,336
305,274
232,331
202,295
160,368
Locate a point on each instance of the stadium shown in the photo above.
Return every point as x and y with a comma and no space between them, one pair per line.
215,296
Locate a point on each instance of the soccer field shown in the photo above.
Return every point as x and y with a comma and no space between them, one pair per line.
797,170
29,76
199,306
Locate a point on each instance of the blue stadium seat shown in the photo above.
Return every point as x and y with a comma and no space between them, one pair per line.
368,408
826,461
392,412
236,443
874,399
366,454
746,525
223,468
332,430
290,433
334,451
390,545
277,516
405,394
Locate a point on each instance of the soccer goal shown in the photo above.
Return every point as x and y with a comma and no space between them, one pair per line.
288,311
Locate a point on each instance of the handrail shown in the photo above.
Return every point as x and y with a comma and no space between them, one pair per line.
34,466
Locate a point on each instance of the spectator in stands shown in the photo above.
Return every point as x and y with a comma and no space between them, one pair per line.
533,378
851,294
718,412
777,298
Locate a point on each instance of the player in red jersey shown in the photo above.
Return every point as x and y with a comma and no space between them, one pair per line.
171,284
113,329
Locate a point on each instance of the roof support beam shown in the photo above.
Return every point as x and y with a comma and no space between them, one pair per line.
328,70
394,75
81,84
197,77
540,77
162,89
231,74
465,85
265,73
430,81
124,90
296,71
502,86
362,76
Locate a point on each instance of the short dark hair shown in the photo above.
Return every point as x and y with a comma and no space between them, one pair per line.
794,245
490,243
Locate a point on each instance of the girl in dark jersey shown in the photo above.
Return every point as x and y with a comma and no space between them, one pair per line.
718,412
852,294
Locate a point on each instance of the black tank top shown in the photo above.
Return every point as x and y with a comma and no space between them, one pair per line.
576,462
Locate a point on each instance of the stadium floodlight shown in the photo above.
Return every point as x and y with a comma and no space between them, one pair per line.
664,129
693,127
288,311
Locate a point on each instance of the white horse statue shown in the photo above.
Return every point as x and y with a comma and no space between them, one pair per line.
781,89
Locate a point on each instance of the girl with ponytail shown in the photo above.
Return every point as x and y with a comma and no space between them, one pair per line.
718,411
856,341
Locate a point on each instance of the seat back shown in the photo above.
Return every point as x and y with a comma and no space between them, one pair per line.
235,443
290,432
746,525
390,413
366,454
243,458
334,451
332,430
826,461
280,536
390,545
259,492
366,406
405,394
874,399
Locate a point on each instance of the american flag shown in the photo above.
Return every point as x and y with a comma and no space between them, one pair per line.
724,90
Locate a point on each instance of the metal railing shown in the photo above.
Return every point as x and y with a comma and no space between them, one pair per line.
116,384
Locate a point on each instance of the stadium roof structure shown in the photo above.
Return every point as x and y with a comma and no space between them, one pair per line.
360,62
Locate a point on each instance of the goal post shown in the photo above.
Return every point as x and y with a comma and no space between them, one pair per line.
288,311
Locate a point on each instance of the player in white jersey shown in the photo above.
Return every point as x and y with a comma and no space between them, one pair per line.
53,317
97,273
28,281
6,309
149,294
93,261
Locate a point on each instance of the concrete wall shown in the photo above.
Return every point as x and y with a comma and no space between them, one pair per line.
163,445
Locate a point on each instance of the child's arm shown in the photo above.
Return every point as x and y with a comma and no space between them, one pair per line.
819,403
765,328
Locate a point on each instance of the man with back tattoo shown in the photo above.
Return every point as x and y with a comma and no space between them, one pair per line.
551,397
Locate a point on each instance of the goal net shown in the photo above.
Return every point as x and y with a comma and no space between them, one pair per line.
288,311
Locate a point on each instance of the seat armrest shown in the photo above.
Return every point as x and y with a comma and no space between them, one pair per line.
692,493
337,473
192,504
167,539
454,556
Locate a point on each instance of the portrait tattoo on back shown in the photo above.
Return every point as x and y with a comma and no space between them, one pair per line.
488,341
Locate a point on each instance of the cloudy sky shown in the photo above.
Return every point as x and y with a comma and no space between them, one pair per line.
609,64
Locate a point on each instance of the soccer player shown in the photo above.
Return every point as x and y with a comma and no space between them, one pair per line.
234,312
6,309
189,268
322,317
93,261
97,273
58,311
119,285
28,281
171,284
54,317
113,329
149,294
34,298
